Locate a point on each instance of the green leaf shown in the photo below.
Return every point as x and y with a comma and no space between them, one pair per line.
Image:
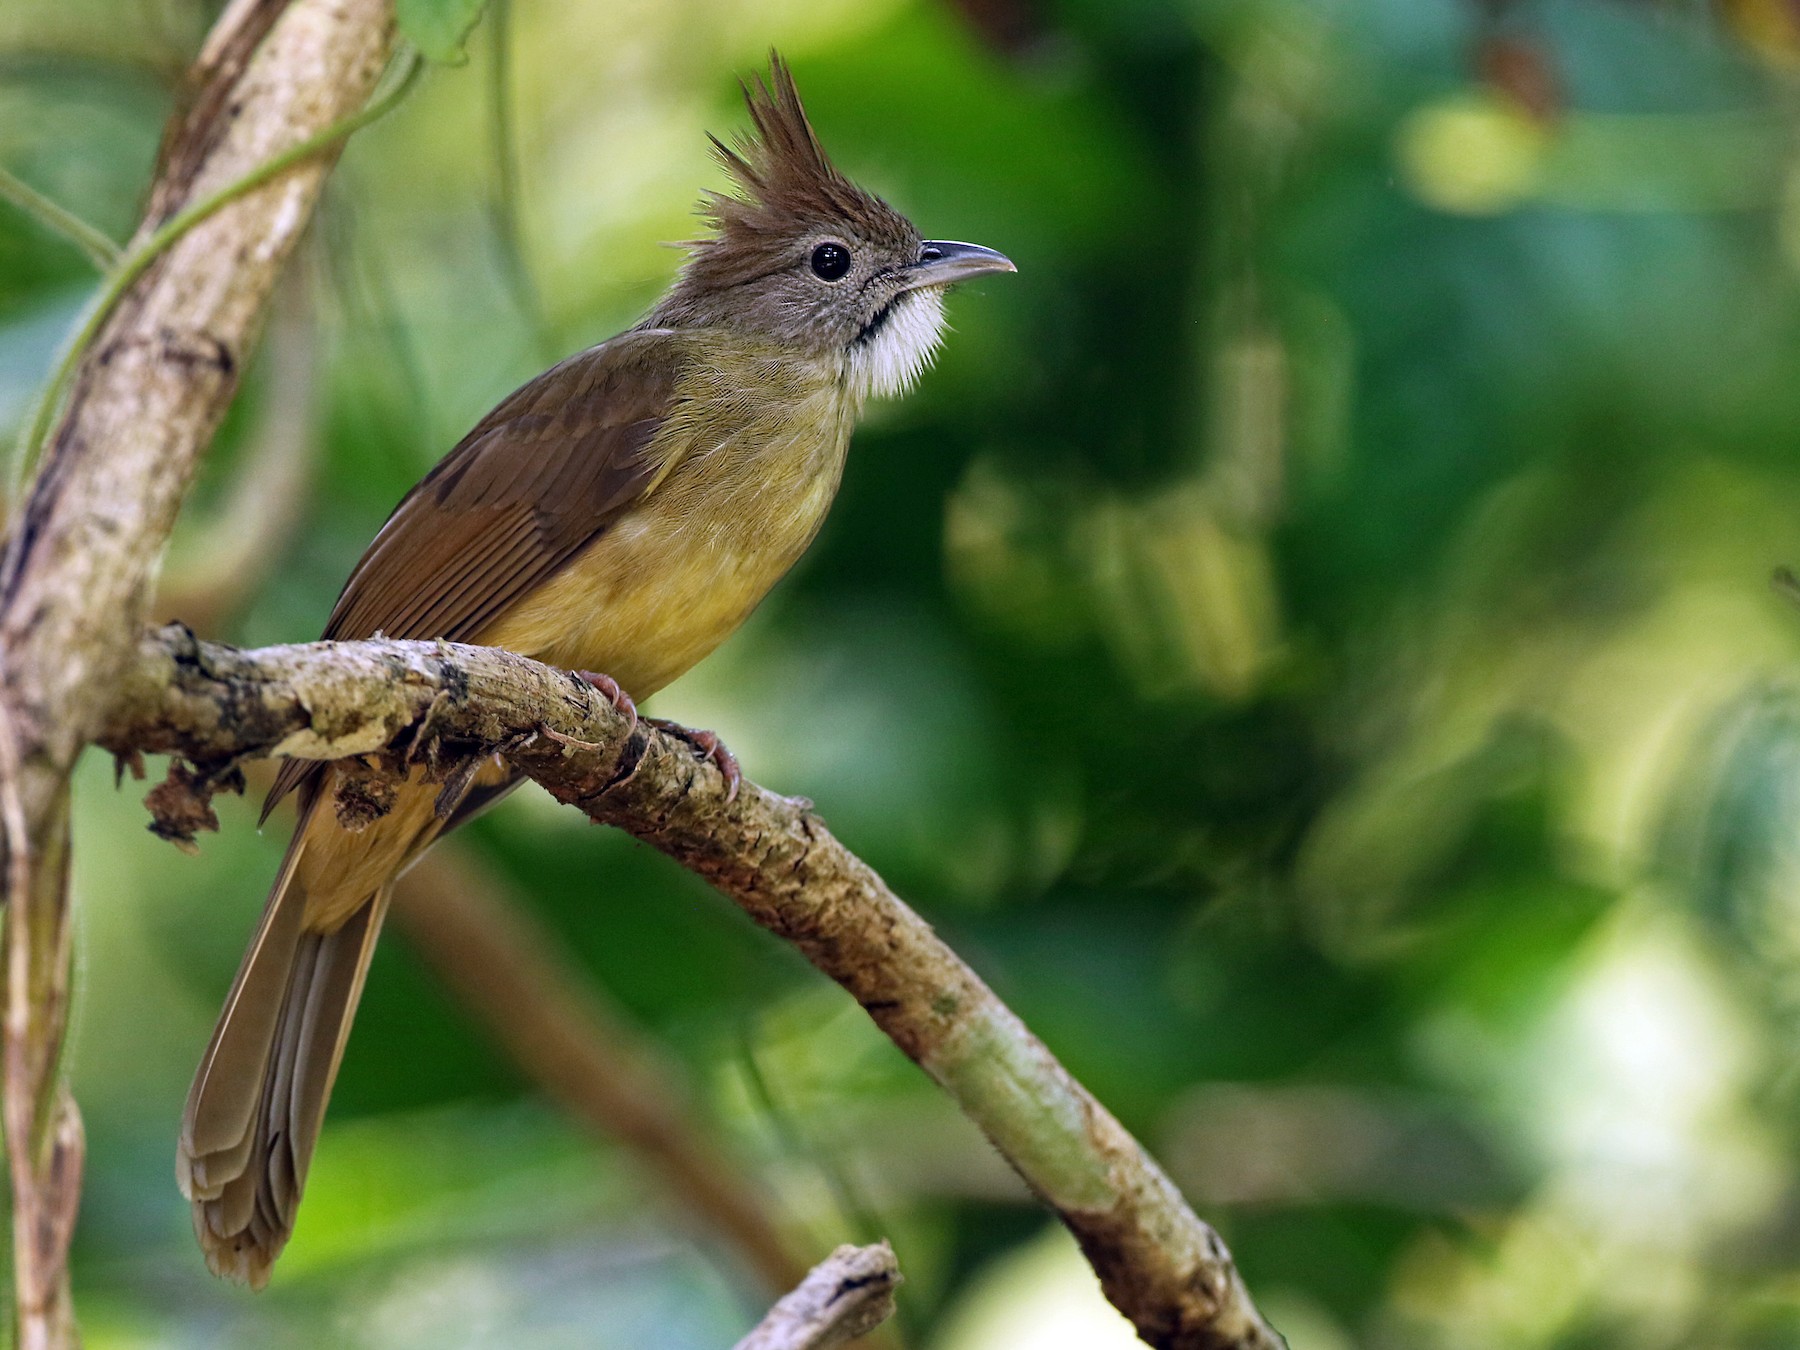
439,28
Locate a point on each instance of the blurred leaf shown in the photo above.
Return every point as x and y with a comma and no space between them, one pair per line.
440,28
1730,837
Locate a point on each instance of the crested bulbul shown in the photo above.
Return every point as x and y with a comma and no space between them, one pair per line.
622,513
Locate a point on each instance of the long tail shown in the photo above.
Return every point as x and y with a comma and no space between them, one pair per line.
258,1099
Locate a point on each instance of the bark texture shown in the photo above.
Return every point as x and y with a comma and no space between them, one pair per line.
848,1293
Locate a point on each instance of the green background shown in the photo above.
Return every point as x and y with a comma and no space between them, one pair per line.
1309,644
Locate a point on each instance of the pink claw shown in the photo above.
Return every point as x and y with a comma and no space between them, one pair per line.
609,688
710,747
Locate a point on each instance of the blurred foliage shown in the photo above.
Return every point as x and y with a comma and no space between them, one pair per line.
439,28
1308,643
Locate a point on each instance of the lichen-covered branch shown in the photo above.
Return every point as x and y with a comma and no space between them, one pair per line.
394,701
848,1293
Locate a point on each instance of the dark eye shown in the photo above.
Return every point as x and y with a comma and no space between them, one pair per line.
830,262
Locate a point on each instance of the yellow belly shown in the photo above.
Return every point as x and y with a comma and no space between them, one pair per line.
675,575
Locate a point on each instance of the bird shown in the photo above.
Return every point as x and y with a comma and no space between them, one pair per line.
619,515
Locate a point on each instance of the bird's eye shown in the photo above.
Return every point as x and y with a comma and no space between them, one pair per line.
830,262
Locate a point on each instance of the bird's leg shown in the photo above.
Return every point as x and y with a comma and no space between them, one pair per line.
609,689
710,747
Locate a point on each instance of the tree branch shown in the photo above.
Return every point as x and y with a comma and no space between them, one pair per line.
152,389
82,550
400,701
848,1293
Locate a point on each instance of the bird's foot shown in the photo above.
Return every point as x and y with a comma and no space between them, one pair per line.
709,746
609,689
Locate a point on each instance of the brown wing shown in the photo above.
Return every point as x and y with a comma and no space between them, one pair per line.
519,497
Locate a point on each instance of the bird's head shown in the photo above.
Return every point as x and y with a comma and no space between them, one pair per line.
805,257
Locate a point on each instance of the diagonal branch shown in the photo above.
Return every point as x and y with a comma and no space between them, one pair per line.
1158,1263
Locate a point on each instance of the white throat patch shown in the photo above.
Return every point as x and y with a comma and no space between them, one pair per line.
897,353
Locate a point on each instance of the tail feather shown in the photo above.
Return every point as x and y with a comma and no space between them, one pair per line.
258,1099
217,1126
338,974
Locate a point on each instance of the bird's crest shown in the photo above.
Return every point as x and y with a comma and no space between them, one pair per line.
786,184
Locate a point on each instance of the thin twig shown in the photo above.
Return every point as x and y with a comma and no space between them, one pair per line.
504,203
854,1211
1785,584
847,1294
12,805
90,239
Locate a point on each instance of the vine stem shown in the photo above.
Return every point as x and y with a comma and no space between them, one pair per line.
134,263
101,251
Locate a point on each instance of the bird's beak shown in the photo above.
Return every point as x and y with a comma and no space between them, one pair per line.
942,261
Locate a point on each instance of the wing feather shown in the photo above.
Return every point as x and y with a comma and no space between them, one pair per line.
531,485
